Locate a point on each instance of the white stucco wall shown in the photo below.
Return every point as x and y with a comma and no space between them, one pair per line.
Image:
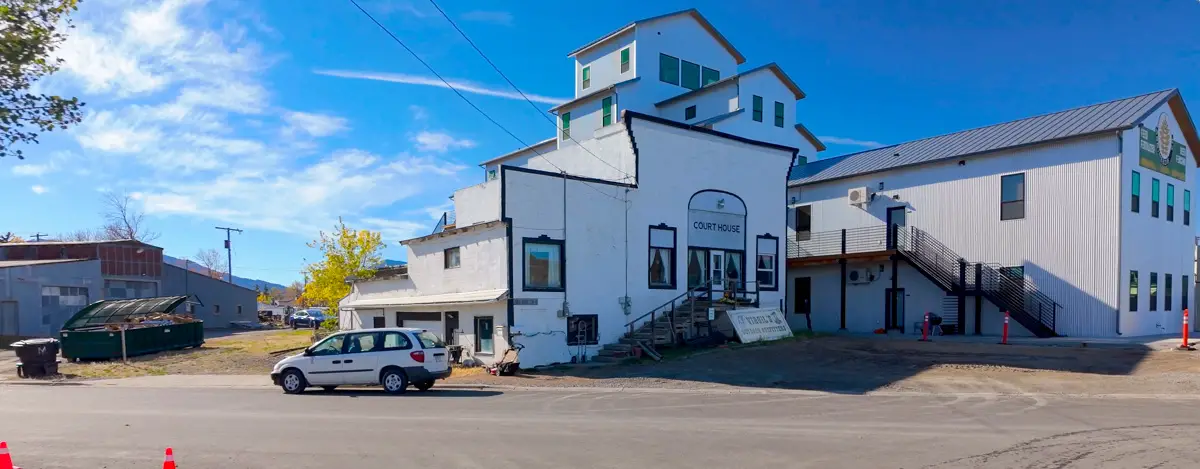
1066,242
680,37
766,84
722,99
602,153
1151,244
483,262
675,164
477,204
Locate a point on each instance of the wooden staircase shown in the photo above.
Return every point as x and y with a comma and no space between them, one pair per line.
681,319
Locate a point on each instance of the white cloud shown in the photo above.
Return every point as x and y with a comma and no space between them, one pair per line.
35,170
39,189
850,141
418,113
105,131
396,230
434,211
316,125
463,86
440,142
502,18
413,165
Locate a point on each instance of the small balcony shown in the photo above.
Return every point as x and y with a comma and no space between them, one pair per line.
829,246
446,222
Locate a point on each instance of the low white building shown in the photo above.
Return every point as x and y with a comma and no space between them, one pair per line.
1077,223
663,178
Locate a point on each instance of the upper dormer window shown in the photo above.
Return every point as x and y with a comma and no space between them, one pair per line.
587,77
757,110
624,60
710,76
668,69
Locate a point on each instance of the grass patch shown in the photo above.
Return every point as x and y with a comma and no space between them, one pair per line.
262,343
246,353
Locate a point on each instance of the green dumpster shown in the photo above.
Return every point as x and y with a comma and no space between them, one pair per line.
148,325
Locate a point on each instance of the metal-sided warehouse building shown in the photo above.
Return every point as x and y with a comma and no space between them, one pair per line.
1076,223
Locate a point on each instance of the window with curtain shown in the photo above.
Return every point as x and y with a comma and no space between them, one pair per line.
662,257
697,267
544,269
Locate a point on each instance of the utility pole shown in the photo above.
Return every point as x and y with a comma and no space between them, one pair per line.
38,236
228,252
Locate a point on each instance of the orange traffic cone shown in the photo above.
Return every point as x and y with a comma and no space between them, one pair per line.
168,460
5,459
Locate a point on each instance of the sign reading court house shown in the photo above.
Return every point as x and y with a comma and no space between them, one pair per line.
716,220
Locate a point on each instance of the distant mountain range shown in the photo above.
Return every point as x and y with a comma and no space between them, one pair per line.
249,282
239,281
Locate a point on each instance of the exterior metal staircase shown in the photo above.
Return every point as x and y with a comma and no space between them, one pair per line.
683,318
1012,293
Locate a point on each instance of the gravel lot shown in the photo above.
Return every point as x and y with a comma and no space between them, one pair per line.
859,365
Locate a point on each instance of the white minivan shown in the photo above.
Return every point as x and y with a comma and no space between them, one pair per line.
393,357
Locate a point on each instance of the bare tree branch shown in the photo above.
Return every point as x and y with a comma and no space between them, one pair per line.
213,261
123,221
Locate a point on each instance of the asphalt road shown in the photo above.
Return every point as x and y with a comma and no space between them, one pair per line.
95,427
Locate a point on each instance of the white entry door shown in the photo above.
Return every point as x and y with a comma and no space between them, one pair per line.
716,271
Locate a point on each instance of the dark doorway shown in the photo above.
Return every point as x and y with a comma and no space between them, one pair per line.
894,308
803,295
378,321
896,216
451,326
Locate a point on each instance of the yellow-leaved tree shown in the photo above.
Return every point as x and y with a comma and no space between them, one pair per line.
347,253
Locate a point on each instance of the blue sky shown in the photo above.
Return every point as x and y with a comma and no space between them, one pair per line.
279,119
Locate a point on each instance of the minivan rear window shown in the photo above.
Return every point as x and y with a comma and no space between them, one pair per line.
430,340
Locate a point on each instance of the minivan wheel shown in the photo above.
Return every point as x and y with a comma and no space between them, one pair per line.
423,386
292,382
394,381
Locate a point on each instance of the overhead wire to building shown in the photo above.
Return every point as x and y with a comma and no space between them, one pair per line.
468,101
558,128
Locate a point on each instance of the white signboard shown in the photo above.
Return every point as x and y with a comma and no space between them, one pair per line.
716,230
753,325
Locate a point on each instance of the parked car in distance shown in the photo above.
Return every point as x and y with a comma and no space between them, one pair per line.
393,357
306,318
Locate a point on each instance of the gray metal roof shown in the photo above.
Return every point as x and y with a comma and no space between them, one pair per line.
1112,115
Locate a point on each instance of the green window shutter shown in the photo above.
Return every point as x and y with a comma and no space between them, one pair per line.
566,126
691,76
624,60
606,105
587,76
757,112
668,69
710,76
778,114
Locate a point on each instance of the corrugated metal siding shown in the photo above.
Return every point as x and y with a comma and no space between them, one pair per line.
1066,242
1112,115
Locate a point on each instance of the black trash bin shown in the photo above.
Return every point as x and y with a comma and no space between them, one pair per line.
38,357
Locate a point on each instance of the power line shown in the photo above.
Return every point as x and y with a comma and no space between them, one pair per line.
522,93
468,101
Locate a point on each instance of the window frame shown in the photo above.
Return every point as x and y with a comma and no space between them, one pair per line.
662,71
774,263
566,125
797,227
606,111
689,113
704,76
1170,202
585,77
562,263
1187,207
1153,291
1133,291
1166,292
408,343
1135,192
593,338
756,111
446,264
341,350
1154,189
672,263
1021,200
684,68
780,111
479,340
377,346
624,60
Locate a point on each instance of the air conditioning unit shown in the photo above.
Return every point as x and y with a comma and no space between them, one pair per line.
858,196
860,276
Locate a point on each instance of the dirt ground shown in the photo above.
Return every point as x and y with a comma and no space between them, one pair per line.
238,353
859,365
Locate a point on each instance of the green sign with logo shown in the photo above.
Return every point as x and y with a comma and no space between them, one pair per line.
1159,152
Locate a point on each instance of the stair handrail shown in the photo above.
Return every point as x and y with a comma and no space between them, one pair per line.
688,293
